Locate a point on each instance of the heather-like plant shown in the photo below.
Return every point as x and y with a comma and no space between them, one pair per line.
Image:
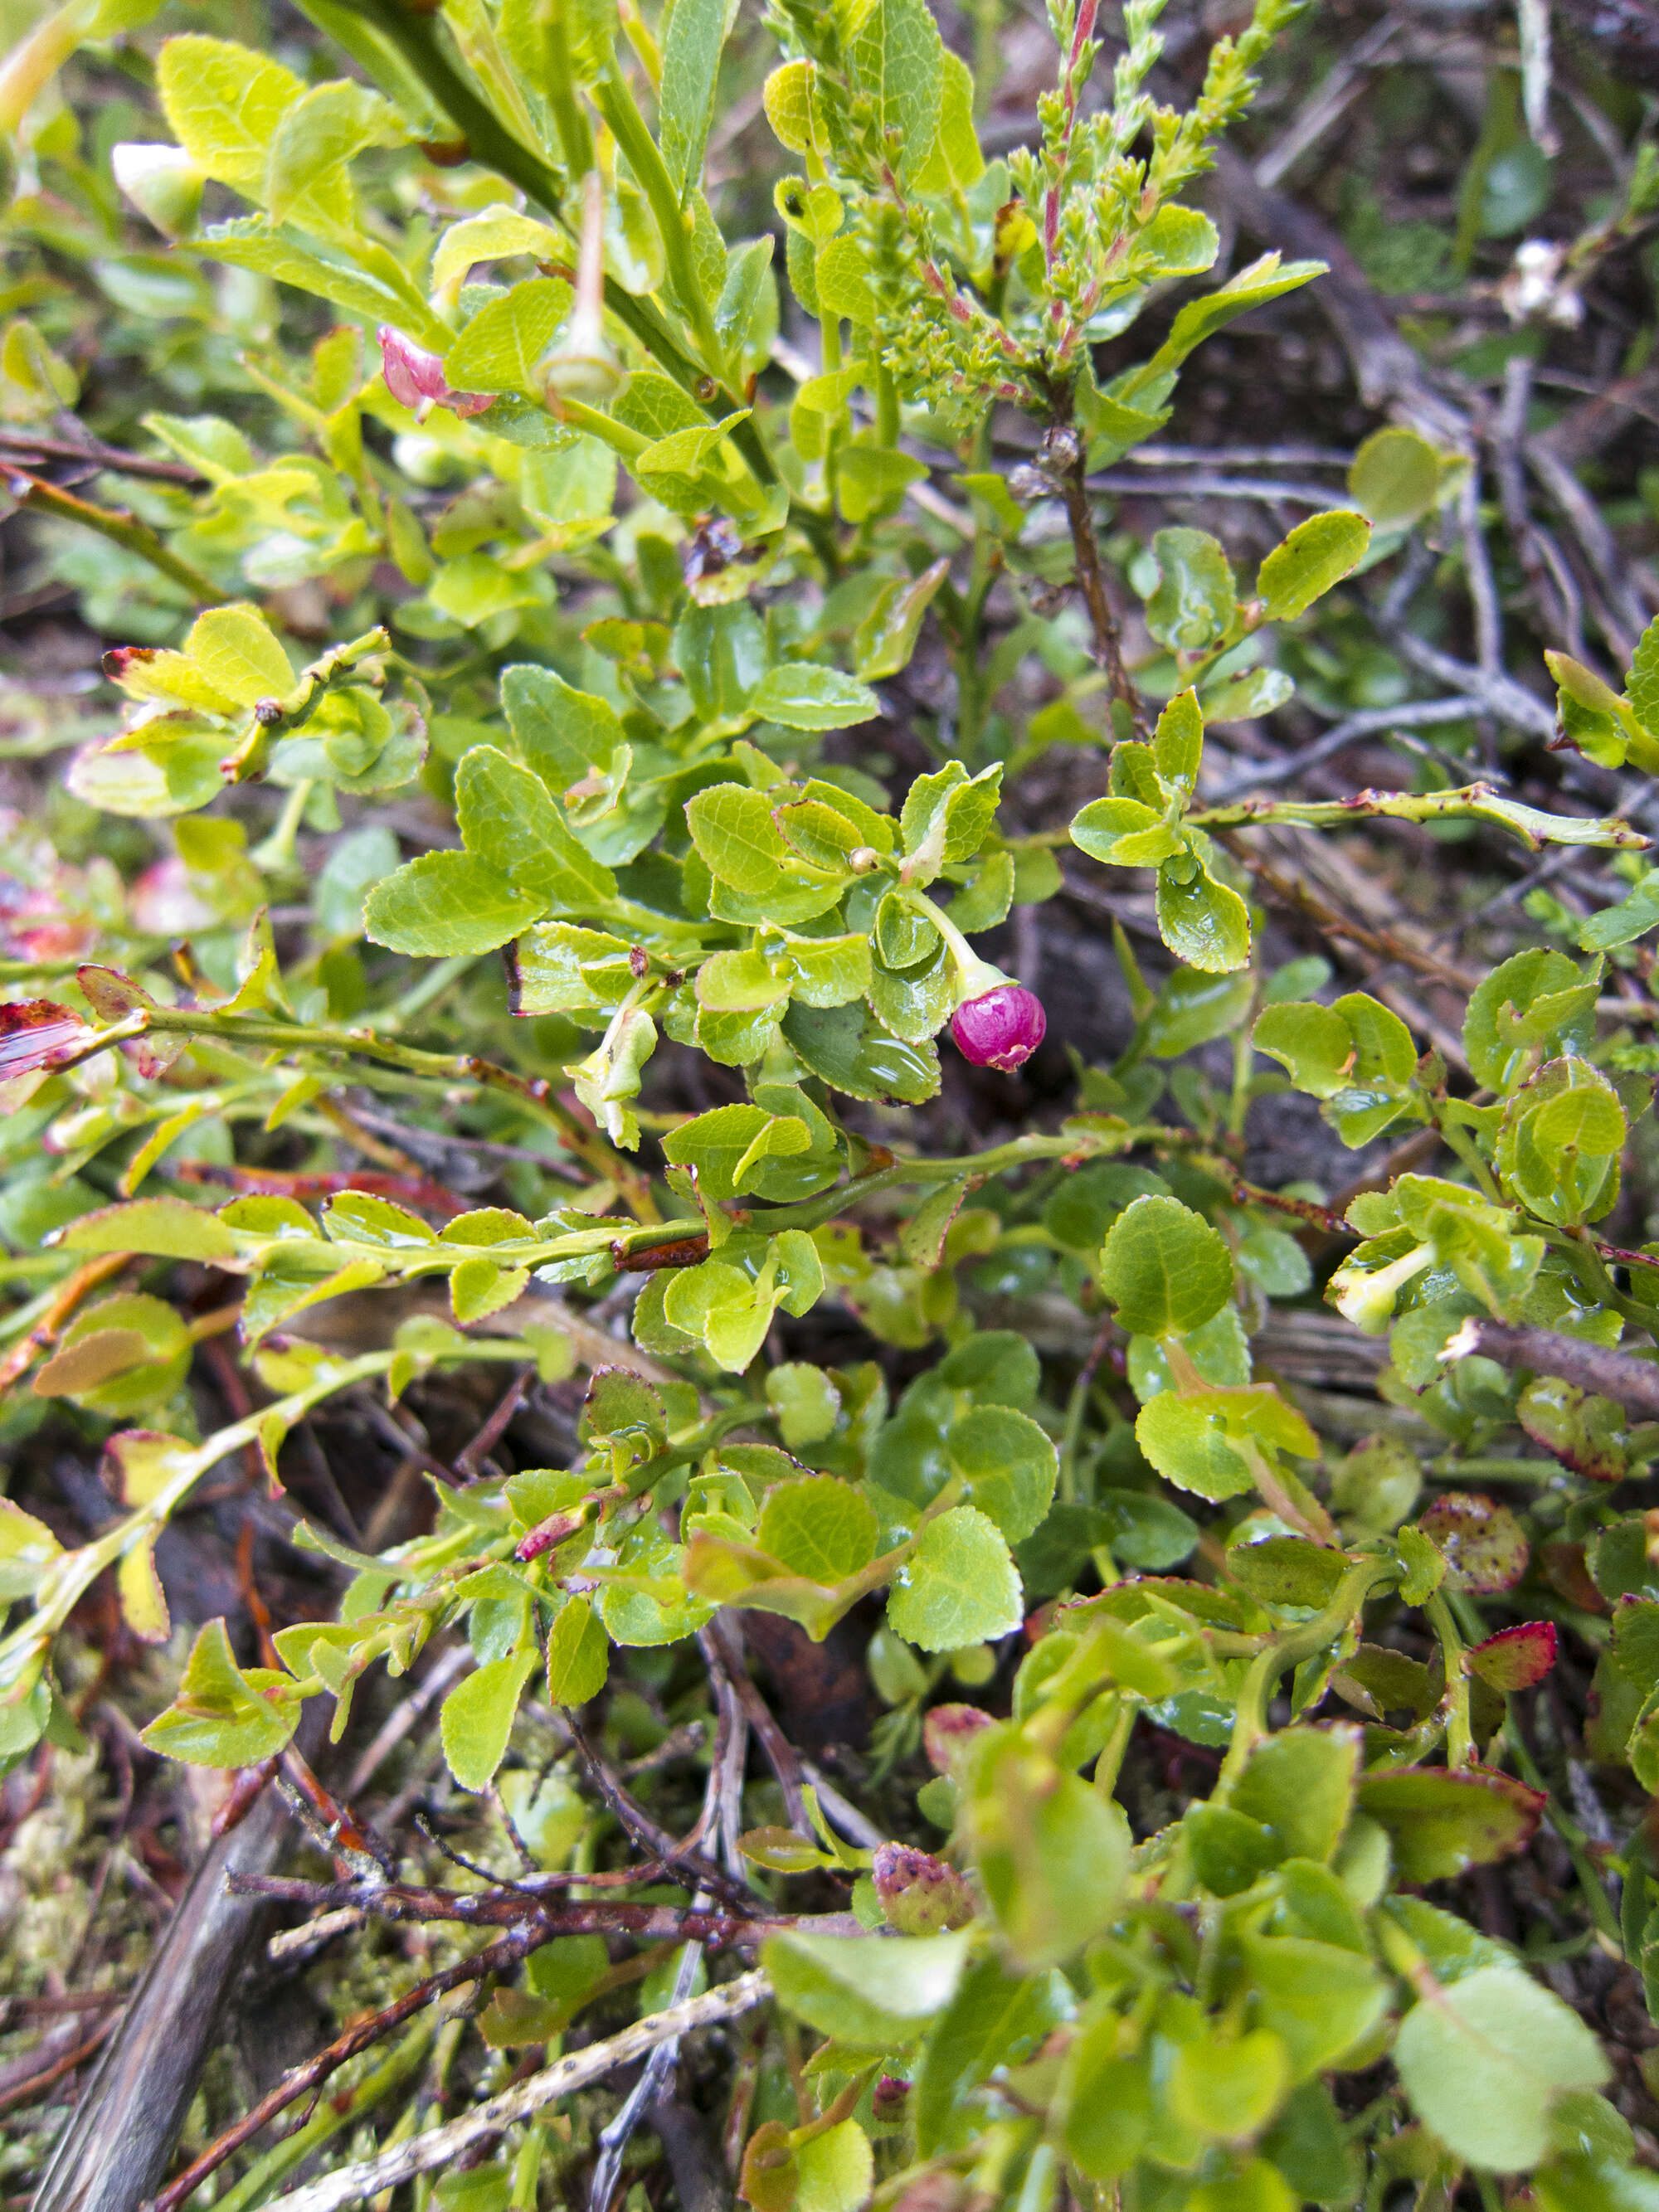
605,572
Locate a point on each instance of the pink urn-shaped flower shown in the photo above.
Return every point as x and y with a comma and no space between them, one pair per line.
999,1027
416,378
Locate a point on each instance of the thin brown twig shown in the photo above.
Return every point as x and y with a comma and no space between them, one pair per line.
510,1903
641,1827
20,2092
1067,455
1383,943
723,1800
505,1952
720,1639
98,455
470,1461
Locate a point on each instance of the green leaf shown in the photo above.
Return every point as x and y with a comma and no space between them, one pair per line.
224,104
577,1654
853,1052
478,1717
819,1527
1623,924
676,468
502,347
28,1548
1124,833
1011,1467
834,2170
959,1586
1186,1439
250,243
507,820
1285,1571
1396,477
884,641
561,731
168,1228
1178,743
1312,1043
1203,922
360,1216
1642,685
718,1143
721,651
733,832
1483,2061
1195,599
806,1401
1164,1268
1228,2088
730,1311
899,58
1316,557
691,70
479,1287
1264,280
956,162
224,1716
238,655
1228,1851
1443,1822
444,903
1300,1784
1320,1999
995,2020
863,1990
1053,1853
1560,1144
804,695
318,136
497,234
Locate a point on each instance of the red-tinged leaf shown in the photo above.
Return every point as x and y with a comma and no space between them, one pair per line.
139,1463
1441,1822
1485,1549
37,1034
1564,1570
112,996
946,1730
1514,1658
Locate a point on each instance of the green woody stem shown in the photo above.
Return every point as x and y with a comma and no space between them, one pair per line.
1288,1650
489,141
119,528
1477,801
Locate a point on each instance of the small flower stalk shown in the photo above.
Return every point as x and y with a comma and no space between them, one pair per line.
582,366
997,1023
